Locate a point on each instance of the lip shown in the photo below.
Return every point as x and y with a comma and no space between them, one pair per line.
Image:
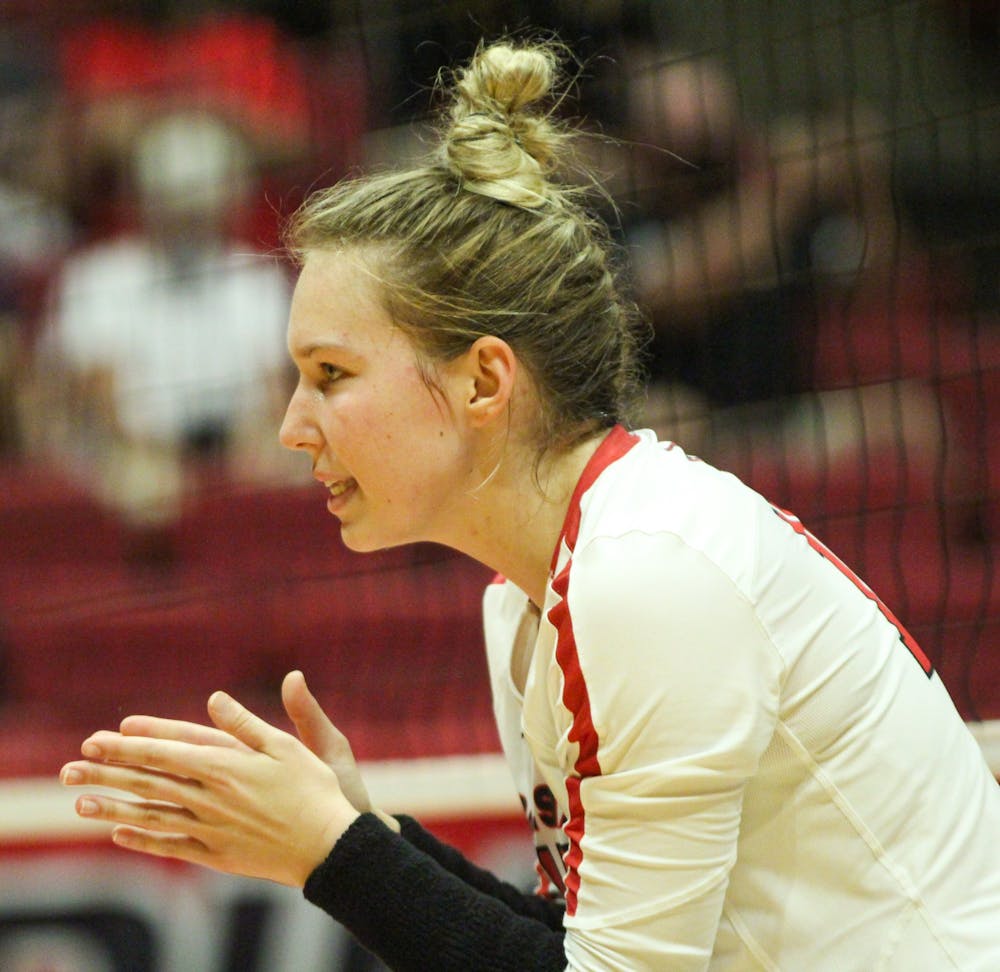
345,486
335,504
329,479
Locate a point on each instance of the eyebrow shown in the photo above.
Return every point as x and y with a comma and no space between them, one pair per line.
308,350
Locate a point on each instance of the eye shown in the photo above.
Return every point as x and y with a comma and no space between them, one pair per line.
330,372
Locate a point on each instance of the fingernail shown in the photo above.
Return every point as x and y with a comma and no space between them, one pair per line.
86,807
72,776
90,749
219,701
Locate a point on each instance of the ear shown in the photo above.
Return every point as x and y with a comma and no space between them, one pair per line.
490,367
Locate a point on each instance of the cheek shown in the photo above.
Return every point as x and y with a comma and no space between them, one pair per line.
413,412
395,422
422,439
373,437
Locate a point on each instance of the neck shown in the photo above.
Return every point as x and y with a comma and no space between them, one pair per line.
513,524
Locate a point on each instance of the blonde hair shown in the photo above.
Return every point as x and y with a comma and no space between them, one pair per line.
482,238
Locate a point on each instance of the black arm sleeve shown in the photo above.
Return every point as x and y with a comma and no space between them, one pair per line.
416,915
545,910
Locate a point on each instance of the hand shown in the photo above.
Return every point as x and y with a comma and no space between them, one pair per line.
325,740
245,797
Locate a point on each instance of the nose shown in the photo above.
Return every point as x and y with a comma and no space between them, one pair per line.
298,429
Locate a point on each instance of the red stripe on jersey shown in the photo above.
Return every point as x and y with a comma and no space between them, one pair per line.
796,524
574,831
616,443
577,701
575,696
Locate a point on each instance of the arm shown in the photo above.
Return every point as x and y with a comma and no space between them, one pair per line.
548,911
468,919
326,741
366,871
246,798
411,912
681,688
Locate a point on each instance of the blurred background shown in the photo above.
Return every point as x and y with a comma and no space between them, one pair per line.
809,196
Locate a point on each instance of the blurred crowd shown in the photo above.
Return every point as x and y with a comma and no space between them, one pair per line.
149,151
147,156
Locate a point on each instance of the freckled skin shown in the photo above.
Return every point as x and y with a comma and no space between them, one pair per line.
378,423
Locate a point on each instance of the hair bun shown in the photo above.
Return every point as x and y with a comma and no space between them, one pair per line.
494,143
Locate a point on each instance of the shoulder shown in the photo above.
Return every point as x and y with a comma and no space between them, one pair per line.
655,595
656,511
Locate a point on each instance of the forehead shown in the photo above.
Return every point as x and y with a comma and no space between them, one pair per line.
337,301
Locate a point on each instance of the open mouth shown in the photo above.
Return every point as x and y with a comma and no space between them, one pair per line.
339,487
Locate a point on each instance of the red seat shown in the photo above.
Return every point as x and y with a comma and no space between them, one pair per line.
393,652
98,666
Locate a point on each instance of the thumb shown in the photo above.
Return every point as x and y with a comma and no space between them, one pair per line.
233,718
311,723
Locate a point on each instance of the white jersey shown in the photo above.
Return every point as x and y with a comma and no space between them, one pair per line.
732,755
185,348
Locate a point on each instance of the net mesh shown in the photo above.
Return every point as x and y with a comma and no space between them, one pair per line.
809,195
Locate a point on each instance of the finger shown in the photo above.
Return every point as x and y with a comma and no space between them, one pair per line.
143,783
187,732
149,815
239,722
178,847
295,695
165,756
311,723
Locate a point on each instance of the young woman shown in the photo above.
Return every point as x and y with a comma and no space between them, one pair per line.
732,754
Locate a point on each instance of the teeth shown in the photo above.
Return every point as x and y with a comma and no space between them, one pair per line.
339,487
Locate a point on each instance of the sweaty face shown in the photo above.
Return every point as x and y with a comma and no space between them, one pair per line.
389,450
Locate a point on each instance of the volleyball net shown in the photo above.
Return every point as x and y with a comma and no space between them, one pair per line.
808,195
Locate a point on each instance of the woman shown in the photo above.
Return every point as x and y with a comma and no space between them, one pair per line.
731,753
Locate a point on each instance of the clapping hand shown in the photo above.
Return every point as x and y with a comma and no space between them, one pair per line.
242,797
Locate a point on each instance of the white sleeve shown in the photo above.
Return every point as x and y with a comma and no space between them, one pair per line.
682,685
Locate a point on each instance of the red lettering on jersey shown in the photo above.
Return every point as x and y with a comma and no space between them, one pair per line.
547,807
529,814
796,524
548,870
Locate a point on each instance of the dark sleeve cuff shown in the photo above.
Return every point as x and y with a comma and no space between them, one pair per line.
414,914
549,911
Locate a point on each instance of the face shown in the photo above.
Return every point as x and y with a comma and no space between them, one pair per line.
390,451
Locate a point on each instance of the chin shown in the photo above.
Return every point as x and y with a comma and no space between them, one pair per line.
362,541
359,543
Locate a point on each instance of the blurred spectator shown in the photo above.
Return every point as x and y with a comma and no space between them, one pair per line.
736,236
117,66
172,338
35,229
